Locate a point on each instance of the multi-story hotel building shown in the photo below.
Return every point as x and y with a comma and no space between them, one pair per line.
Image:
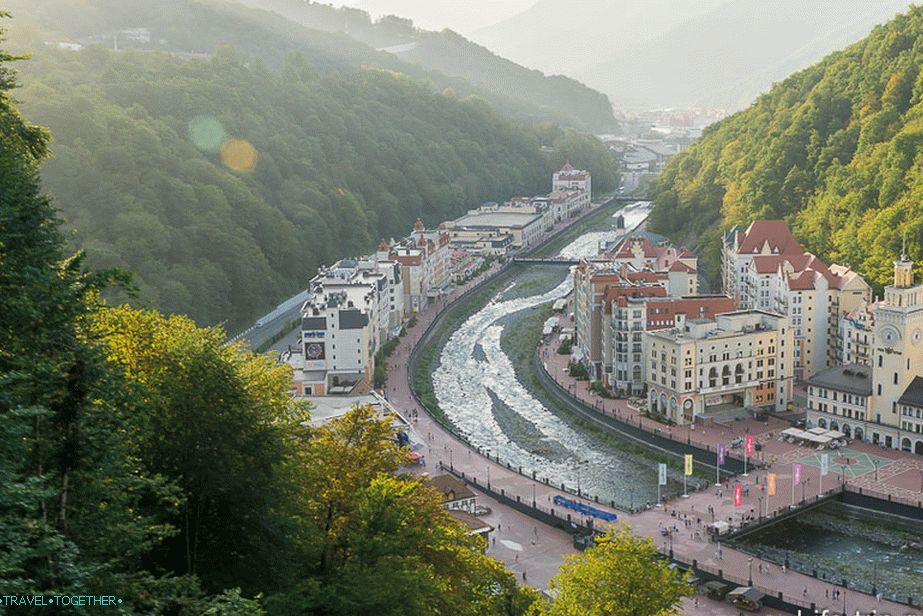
707,368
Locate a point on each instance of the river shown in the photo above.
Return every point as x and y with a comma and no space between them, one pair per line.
482,393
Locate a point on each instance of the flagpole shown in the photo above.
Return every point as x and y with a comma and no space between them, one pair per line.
718,466
685,495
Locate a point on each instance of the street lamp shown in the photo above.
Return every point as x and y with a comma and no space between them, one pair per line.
750,571
451,465
533,495
671,545
759,511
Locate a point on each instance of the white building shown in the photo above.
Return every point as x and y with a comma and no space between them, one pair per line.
569,178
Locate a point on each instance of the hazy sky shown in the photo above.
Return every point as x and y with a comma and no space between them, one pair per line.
463,16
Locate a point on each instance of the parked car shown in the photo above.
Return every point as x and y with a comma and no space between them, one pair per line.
746,598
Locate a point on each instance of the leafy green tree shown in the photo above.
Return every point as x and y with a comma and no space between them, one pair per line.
376,542
216,420
622,575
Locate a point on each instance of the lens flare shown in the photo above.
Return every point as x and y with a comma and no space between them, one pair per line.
238,155
206,133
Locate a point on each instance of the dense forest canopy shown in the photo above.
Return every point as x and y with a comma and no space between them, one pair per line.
333,40
342,159
834,149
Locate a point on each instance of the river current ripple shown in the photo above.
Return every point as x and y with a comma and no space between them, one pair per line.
474,372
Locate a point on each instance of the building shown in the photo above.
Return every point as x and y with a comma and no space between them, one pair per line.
339,332
626,316
569,178
839,398
910,405
857,335
425,263
640,253
897,354
456,495
488,222
709,368
765,268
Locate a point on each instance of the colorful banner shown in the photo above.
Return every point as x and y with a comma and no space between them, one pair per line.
750,447
771,484
721,452
688,464
738,495
796,473
824,464
662,474
583,508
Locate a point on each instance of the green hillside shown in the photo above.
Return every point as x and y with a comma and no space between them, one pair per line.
834,149
344,158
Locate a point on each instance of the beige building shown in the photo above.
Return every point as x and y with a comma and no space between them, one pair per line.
709,368
765,268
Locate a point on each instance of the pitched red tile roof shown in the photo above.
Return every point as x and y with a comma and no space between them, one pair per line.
774,233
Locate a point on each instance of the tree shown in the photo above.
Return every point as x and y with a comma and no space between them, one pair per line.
216,420
381,543
622,575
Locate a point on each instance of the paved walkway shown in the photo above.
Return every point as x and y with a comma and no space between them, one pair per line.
688,542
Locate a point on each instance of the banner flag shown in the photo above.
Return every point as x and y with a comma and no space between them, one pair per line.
771,484
738,495
824,464
750,445
688,464
662,474
720,455
796,473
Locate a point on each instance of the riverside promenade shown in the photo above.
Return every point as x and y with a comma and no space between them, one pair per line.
689,542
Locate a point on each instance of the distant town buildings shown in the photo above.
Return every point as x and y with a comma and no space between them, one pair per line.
356,306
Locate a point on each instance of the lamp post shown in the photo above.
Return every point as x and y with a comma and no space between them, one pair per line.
875,462
750,571
451,464
671,545
759,511
533,495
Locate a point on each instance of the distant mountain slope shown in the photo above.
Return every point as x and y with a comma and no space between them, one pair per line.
836,149
558,98
564,37
681,53
149,177
726,57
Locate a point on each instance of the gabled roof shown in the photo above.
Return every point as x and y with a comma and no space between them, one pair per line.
773,234
679,266
452,489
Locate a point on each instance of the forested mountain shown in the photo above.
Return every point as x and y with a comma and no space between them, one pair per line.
836,149
332,39
558,98
344,158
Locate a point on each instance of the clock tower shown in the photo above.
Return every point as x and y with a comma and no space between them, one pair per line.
897,355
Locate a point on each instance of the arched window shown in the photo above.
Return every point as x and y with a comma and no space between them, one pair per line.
726,376
821,423
905,444
712,377
739,374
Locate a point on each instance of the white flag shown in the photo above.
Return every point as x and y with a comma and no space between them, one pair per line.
662,474
824,464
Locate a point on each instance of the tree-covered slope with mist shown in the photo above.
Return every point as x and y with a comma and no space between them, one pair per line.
334,39
343,159
529,92
836,149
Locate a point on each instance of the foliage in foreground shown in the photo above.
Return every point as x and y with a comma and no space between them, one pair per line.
622,575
